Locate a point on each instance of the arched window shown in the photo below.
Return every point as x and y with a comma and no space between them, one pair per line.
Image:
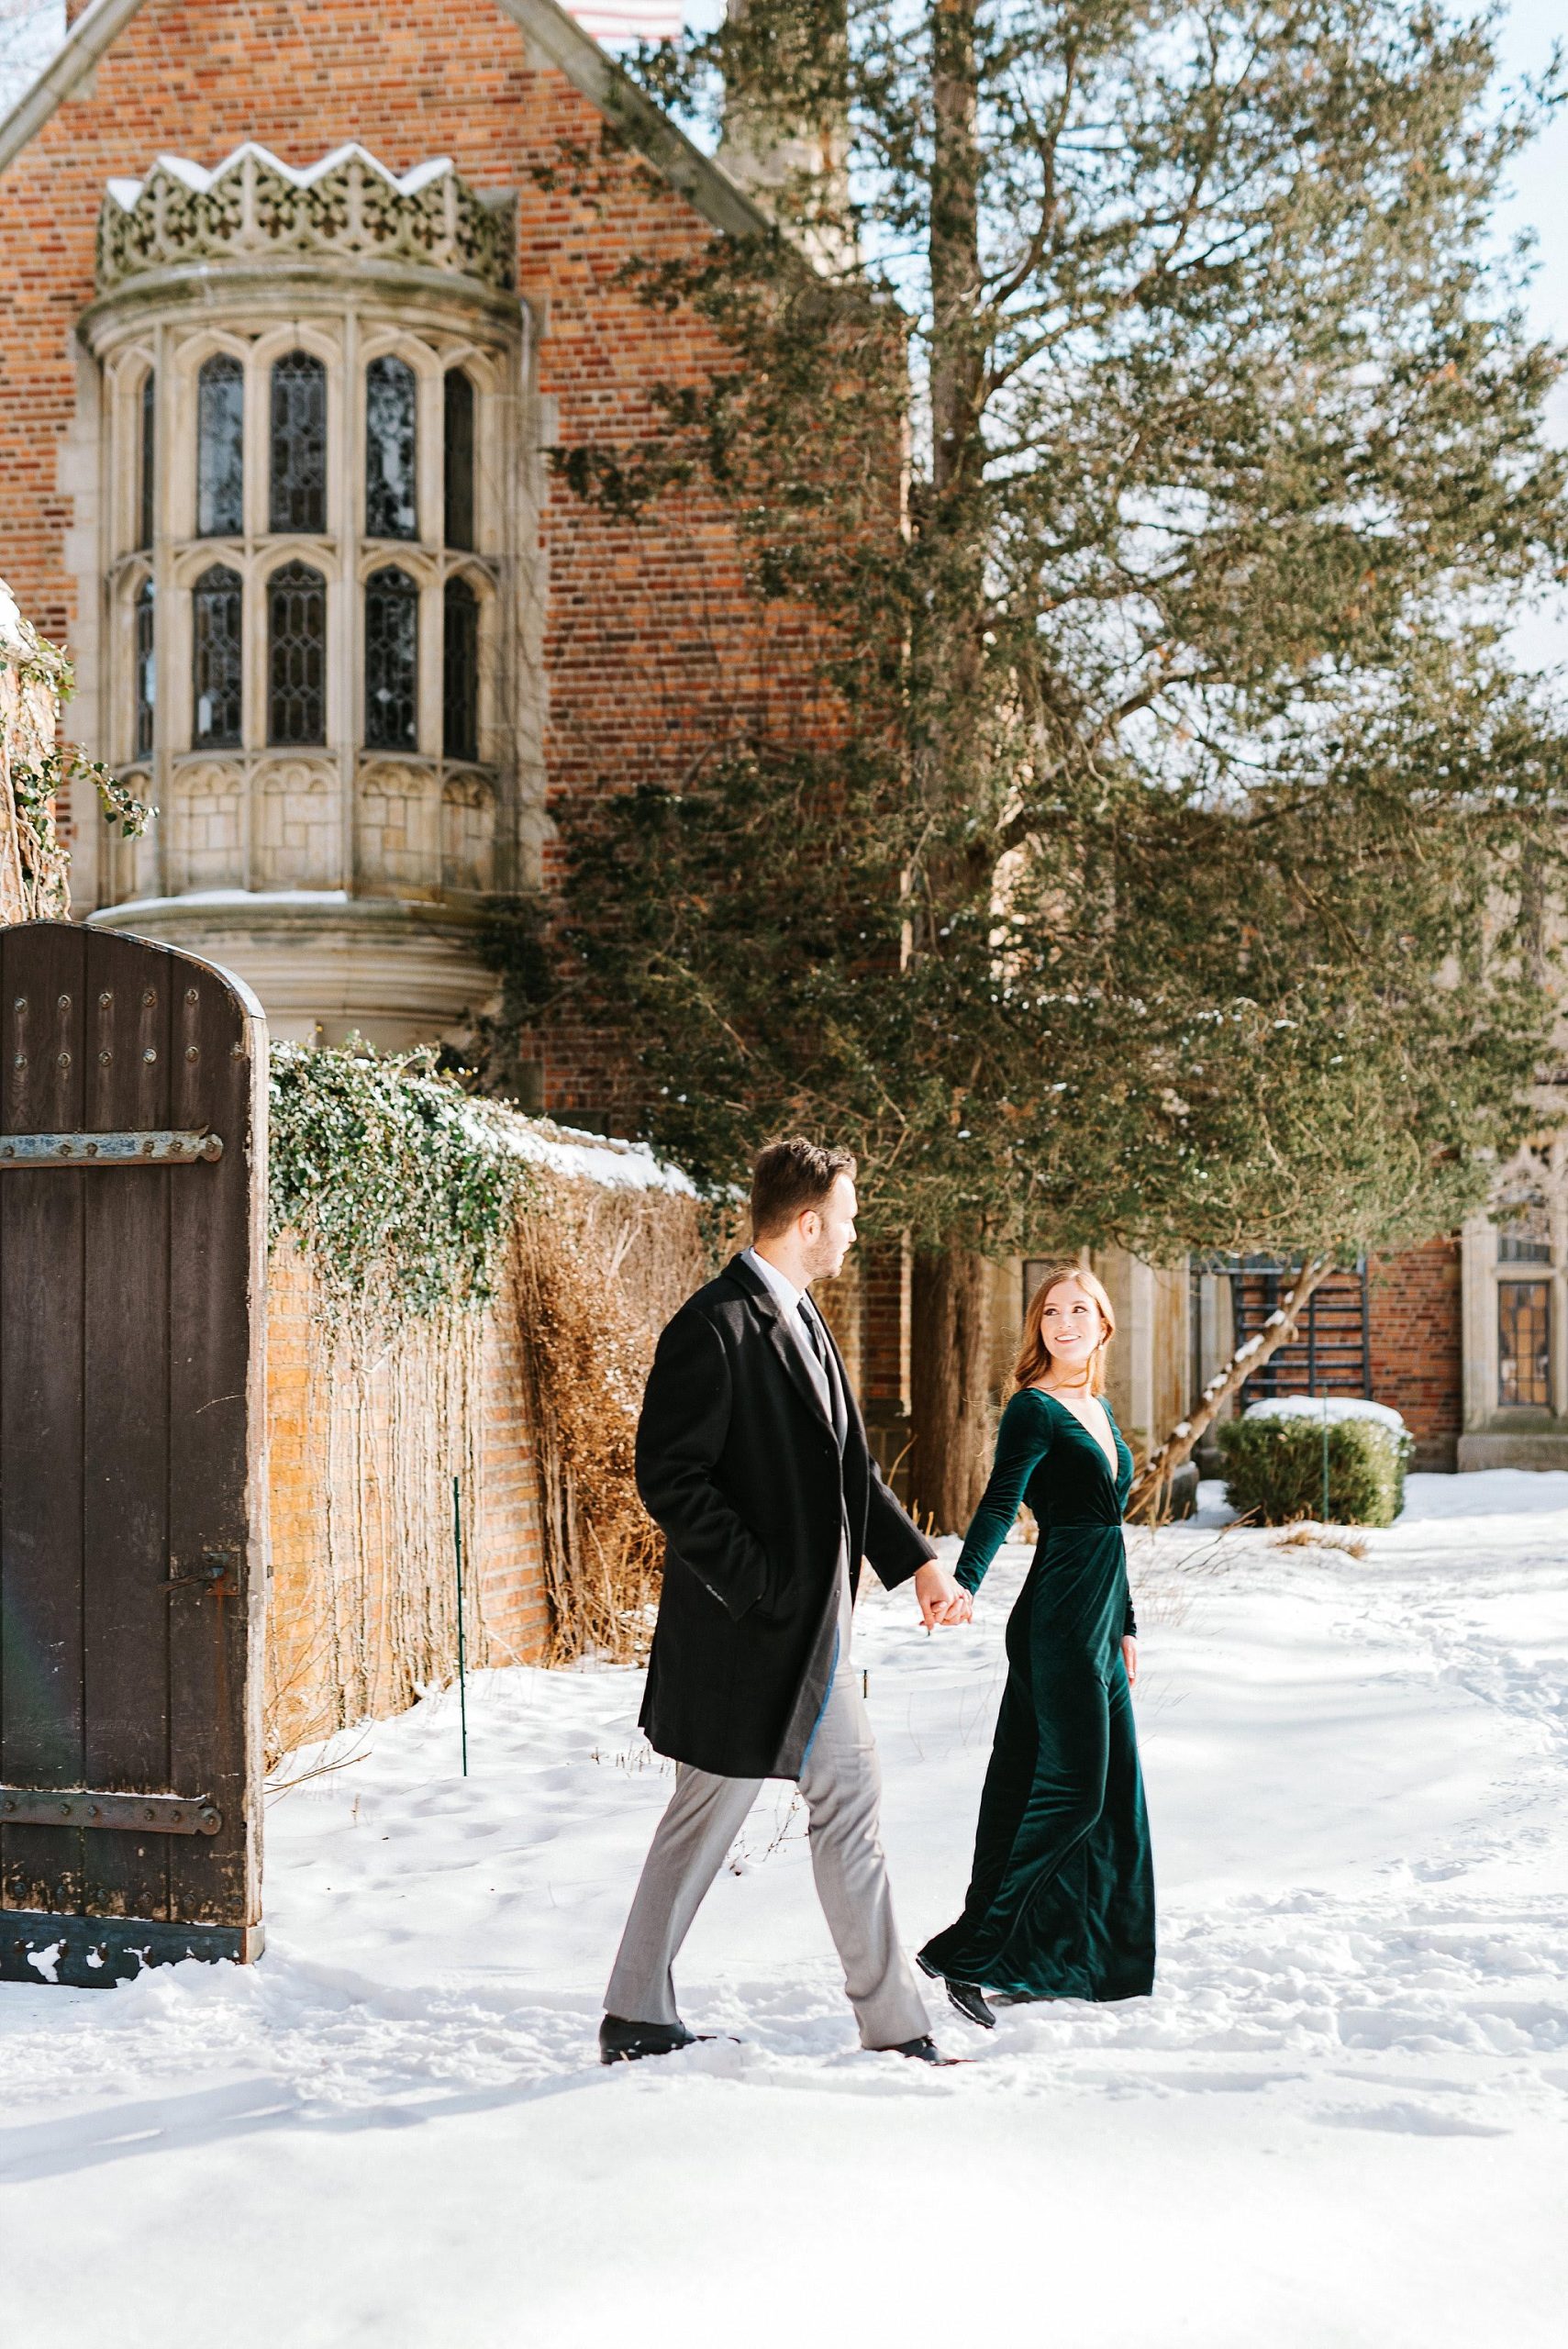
146,673
458,446
217,661
460,670
220,448
147,481
392,661
389,451
298,497
296,655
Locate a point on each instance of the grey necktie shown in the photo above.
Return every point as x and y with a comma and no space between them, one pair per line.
818,1344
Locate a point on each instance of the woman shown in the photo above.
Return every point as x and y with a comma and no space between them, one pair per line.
1062,1901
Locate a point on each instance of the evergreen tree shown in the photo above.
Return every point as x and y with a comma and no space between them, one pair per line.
1173,872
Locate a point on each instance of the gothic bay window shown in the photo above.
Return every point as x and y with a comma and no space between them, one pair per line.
1524,1344
287,508
457,457
391,638
216,658
460,670
298,496
220,448
145,673
390,420
296,655
146,474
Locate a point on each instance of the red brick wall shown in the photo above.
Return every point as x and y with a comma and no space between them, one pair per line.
651,646
1416,1345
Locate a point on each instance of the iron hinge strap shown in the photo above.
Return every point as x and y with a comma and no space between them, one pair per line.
150,1148
85,1806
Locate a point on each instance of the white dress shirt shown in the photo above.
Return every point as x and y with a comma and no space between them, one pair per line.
790,1299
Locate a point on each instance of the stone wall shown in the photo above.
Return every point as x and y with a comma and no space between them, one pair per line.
365,1437
32,880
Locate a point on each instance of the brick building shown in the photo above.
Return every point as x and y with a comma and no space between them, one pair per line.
294,302
293,299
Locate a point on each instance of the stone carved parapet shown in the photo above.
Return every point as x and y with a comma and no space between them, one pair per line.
346,208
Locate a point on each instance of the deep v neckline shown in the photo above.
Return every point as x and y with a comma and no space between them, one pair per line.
1111,1461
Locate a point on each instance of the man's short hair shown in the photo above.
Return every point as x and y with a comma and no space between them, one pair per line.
789,1177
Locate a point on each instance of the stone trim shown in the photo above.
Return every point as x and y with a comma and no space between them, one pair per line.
254,208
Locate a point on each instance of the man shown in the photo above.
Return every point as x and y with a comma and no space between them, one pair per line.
752,1458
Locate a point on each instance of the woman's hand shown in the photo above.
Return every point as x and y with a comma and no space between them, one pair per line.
1129,1657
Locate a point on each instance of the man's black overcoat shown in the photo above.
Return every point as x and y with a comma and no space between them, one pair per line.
737,1463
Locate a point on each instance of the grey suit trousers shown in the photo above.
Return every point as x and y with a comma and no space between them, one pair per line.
841,1787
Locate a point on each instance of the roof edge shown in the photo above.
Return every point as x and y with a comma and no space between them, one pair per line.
704,182
100,23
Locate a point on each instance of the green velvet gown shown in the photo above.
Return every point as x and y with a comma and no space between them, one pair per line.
1062,1901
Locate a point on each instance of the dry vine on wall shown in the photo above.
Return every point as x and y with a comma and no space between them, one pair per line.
598,1273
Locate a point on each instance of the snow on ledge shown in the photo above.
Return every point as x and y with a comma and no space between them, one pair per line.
565,1150
199,179
1325,1408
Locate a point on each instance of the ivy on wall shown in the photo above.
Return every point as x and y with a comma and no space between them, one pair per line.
398,1184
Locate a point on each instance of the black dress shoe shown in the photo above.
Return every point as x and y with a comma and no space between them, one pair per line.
626,2042
923,2051
967,1997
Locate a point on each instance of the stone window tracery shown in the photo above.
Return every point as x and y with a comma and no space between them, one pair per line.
296,655
391,509
392,661
220,448
218,662
297,494
316,715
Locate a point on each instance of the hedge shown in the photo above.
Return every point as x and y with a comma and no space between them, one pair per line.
1273,1469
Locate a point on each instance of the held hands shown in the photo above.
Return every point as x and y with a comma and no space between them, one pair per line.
939,1598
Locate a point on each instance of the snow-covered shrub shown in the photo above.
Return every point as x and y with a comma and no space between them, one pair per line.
1273,1457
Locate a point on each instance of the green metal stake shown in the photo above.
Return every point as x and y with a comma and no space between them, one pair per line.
1325,1458
462,1658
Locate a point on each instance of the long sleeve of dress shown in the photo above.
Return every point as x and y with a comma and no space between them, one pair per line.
1022,1441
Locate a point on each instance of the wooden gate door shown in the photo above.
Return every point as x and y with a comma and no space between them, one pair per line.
132,1500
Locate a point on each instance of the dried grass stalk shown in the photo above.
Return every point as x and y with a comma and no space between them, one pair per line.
598,1272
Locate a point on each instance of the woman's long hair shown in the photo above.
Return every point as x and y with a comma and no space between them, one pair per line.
1034,1355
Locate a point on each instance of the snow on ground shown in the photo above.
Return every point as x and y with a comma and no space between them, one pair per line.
1340,2120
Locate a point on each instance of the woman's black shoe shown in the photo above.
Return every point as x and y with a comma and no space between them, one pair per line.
971,2000
967,1997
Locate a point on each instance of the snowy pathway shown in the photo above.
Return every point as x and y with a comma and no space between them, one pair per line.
1340,2121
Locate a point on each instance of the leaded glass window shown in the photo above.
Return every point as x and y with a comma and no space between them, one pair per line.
389,451
458,446
146,673
298,493
1523,1344
296,655
392,661
460,670
147,481
220,449
218,662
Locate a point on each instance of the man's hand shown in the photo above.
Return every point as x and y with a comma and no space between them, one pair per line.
940,1598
